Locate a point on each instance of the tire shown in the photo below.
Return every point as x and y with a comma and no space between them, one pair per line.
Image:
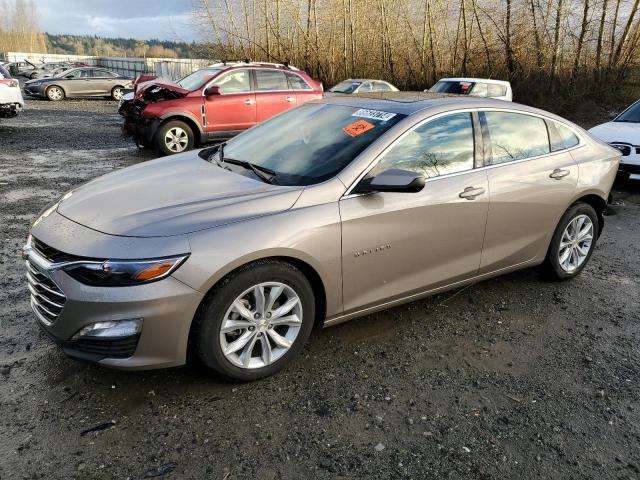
283,342
55,93
557,265
173,137
116,93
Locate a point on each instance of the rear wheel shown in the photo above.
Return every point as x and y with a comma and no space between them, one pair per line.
174,137
55,93
573,242
116,93
255,321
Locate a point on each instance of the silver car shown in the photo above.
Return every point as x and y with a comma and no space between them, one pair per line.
80,82
324,213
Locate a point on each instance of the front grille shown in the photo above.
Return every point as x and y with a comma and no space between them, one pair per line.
47,300
108,348
52,254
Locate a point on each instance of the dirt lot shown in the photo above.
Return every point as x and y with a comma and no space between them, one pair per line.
515,377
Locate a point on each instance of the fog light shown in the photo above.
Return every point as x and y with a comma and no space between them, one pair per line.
116,328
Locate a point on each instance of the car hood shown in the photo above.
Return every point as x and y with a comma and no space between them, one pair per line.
157,91
617,132
172,196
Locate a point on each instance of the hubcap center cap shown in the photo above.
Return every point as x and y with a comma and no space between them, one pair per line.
262,326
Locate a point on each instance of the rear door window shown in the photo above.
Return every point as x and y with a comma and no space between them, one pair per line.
296,82
271,80
516,136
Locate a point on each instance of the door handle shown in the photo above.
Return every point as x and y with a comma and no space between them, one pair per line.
558,173
470,193
290,99
249,101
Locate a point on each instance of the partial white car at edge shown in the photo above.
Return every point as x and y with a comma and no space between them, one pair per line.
623,133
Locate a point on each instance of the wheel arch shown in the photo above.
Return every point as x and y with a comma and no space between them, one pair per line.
193,124
598,203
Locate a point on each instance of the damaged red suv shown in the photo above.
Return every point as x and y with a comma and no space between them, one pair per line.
213,104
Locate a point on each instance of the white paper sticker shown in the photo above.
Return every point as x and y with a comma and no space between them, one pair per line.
374,114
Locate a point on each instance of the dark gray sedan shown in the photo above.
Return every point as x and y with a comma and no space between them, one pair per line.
79,82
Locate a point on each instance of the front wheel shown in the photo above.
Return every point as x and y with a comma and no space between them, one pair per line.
55,93
573,242
174,137
255,321
116,93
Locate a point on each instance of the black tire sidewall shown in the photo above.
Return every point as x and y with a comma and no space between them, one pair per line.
162,131
211,315
552,261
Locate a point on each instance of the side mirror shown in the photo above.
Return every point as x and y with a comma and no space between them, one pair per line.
613,115
213,90
393,180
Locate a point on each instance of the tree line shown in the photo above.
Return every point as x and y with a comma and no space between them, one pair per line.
546,48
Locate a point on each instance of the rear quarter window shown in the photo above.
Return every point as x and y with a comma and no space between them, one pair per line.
516,136
561,137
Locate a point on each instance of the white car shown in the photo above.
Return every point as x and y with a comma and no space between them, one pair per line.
11,101
476,87
362,85
623,132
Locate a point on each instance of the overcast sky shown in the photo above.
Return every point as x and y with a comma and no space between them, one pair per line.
144,19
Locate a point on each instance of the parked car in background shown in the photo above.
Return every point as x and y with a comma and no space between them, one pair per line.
362,85
476,87
315,216
52,69
11,102
214,103
623,133
79,82
23,68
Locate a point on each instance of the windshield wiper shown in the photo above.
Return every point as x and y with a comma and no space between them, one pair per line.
263,173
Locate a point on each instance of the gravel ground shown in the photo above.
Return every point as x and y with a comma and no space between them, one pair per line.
514,377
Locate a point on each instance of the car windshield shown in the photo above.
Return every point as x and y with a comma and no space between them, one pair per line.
631,114
311,143
198,79
348,86
451,86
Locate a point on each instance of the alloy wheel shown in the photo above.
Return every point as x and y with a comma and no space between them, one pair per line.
176,139
575,243
117,93
261,325
55,93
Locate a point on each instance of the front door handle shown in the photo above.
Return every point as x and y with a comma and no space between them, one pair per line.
249,101
470,193
558,173
290,99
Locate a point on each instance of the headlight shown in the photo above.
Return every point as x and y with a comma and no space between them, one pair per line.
122,273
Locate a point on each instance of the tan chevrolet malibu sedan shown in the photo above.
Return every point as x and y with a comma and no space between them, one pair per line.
324,213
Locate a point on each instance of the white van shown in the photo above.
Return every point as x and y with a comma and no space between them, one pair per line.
476,87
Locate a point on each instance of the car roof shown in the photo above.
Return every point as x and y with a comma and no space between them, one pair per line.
473,79
408,103
364,80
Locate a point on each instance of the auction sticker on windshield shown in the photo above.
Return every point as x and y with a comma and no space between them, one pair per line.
358,128
373,114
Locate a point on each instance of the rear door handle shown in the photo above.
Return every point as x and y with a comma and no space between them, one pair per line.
249,101
558,173
470,193
290,99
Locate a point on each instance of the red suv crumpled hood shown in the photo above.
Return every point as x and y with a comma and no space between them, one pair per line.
161,90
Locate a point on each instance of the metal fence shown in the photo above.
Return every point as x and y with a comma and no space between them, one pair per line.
130,66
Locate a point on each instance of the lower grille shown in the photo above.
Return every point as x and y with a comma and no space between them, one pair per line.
47,300
629,168
107,348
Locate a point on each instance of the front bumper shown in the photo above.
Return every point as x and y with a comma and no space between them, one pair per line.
166,308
